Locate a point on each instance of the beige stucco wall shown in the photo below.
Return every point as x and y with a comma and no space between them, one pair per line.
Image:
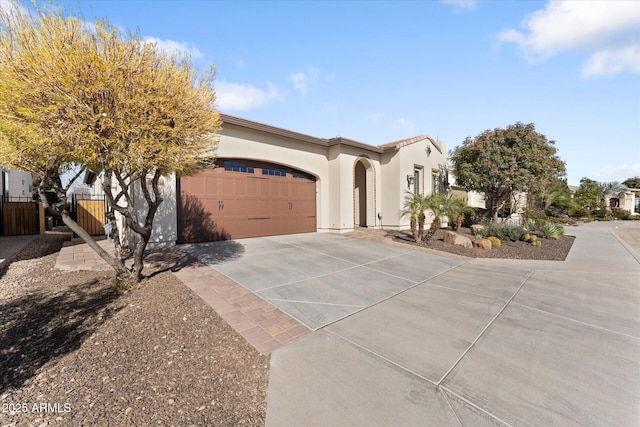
165,222
343,180
396,166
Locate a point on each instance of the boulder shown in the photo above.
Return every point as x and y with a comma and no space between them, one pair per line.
482,244
475,228
457,239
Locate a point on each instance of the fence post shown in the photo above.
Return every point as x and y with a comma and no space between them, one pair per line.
41,217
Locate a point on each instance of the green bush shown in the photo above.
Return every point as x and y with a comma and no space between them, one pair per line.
551,230
495,242
620,213
506,231
579,213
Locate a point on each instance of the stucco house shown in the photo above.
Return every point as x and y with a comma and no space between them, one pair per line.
270,181
15,184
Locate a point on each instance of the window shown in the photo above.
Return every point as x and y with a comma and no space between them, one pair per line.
273,171
233,166
298,174
434,181
417,180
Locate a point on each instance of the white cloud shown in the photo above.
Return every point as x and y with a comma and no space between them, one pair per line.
12,7
174,48
611,61
608,31
310,75
299,81
619,172
460,5
245,97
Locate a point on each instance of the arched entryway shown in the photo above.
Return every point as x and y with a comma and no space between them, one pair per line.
363,194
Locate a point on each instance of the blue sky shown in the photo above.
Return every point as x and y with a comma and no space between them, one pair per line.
382,71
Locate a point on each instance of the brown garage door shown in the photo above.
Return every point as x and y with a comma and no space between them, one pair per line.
242,198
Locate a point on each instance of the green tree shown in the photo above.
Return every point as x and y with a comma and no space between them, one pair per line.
103,100
632,182
589,194
500,162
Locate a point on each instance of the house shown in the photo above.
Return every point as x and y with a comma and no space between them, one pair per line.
16,184
630,202
271,181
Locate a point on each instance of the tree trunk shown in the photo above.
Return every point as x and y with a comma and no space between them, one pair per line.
60,209
435,225
458,224
414,229
121,271
421,219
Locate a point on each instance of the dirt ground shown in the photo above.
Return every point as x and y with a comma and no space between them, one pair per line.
75,352
552,250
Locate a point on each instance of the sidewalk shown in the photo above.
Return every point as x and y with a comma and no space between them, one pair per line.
10,245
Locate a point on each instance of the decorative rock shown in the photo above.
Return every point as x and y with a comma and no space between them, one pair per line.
483,244
457,239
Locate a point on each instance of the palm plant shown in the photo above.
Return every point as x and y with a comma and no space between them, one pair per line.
611,189
437,204
413,208
560,196
456,207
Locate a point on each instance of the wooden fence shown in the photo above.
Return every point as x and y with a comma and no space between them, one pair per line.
21,218
90,215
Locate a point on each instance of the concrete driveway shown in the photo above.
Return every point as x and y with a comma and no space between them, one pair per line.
490,342
415,339
320,278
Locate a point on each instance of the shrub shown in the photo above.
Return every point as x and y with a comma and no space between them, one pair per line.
551,231
495,242
579,213
506,231
620,213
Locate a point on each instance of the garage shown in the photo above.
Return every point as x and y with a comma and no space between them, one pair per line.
243,198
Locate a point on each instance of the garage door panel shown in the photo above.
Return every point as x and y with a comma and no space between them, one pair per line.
220,204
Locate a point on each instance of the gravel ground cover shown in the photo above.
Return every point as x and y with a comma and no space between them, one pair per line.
551,250
75,352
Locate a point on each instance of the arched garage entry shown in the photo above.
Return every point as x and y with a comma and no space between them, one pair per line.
245,198
363,193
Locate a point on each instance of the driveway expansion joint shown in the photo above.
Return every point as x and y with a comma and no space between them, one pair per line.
506,304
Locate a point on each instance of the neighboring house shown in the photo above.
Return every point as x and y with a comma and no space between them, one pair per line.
271,181
630,202
16,185
512,214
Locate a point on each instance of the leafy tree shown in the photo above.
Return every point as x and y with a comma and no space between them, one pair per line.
500,162
73,94
589,194
611,189
632,182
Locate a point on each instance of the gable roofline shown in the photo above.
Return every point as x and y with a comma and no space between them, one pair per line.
238,121
338,140
396,145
